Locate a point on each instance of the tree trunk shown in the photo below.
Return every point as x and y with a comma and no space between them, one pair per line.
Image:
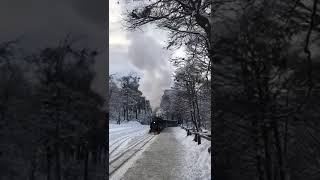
2,114
78,151
192,111
48,163
119,118
194,116
198,111
4,108
127,114
58,161
57,151
95,156
124,113
268,160
33,167
279,150
86,160
136,113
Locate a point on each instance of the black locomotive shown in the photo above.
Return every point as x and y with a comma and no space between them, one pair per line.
156,125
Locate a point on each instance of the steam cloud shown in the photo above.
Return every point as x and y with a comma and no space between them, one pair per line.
148,55
141,52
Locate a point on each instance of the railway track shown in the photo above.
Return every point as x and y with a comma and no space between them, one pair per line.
123,132
116,141
119,143
122,157
132,144
115,129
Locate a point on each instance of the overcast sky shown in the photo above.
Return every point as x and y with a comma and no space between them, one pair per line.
44,22
141,51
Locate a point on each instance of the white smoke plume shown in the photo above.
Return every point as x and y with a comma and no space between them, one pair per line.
149,56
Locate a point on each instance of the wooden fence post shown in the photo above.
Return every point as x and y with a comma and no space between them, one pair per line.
195,137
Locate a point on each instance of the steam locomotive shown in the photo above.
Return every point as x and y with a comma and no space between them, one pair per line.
156,125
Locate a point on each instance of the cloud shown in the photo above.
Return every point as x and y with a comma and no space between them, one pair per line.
118,60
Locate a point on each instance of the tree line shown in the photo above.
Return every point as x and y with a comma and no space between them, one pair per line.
264,68
52,124
188,101
126,101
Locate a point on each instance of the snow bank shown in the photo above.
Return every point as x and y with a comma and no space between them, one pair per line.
197,155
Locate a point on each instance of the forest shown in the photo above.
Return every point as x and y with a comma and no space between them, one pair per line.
126,101
188,100
52,124
264,65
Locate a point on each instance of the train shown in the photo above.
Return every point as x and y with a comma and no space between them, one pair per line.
157,124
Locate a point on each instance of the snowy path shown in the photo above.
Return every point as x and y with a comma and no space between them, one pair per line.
172,157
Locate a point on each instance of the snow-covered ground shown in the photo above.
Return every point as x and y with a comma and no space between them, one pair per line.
126,142
196,156
172,156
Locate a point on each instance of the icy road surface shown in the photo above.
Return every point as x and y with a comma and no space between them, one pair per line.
172,156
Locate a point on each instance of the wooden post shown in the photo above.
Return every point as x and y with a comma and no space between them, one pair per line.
195,137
